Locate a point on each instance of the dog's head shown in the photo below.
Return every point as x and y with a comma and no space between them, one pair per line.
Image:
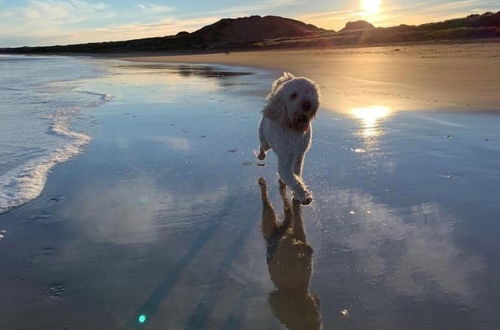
293,101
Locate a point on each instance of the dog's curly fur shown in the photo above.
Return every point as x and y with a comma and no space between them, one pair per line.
286,128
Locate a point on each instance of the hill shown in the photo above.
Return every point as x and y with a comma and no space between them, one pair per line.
256,32
251,29
226,33
358,25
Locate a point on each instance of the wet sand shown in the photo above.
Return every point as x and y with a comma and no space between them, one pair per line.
421,77
157,224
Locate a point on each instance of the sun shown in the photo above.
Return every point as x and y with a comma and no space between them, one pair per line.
371,7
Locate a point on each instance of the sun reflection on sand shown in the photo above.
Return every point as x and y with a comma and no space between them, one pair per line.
370,117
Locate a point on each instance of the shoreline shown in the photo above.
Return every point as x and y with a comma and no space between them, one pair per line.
104,55
478,41
61,111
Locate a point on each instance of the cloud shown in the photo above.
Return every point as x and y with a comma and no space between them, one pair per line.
173,142
413,250
134,210
151,8
162,27
158,28
62,12
254,9
47,22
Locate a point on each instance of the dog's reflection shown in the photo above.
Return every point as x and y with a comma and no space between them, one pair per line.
289,259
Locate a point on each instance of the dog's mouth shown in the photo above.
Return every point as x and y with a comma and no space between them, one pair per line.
302,123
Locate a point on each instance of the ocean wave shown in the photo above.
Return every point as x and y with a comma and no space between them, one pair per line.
26,182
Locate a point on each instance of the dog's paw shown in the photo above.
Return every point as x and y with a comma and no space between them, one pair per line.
261,155
308,200
305,198
262,182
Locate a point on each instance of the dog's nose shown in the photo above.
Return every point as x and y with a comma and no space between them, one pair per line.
306,105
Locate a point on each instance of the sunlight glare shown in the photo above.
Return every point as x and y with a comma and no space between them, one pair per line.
371,7
369,117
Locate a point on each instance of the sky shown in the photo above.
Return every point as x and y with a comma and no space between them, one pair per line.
50,22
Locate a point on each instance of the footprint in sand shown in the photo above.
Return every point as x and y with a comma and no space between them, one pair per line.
252,163
56,289
43,217
56,199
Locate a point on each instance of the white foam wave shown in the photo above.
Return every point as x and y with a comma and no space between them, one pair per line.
26,182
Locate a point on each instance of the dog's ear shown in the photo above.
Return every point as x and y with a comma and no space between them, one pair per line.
276,109
278,82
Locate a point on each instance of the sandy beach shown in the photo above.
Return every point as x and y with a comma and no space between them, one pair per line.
156,224
420,77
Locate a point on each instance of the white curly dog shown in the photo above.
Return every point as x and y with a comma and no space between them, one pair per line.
286,128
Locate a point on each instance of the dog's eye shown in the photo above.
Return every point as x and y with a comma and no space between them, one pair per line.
293,96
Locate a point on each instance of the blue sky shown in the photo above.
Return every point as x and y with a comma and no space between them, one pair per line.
47,22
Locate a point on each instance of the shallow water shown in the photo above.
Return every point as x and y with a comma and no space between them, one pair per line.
159,220
41,120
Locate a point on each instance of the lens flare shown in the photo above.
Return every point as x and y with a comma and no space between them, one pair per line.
141,318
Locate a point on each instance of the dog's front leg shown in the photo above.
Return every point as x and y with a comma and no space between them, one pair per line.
285,170
264,145
299,163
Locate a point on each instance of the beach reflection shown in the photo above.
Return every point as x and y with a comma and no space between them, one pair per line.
175,83
414,251
289,260
370,117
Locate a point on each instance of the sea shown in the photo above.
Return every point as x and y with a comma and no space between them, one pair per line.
42,120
